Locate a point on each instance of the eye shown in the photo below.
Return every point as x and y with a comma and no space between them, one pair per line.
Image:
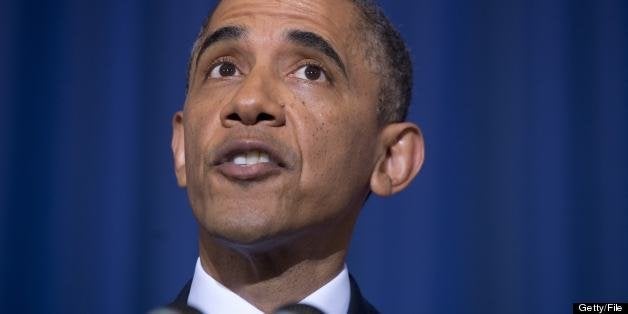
224,69
311,72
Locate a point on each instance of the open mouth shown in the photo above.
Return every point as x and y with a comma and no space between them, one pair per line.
249,160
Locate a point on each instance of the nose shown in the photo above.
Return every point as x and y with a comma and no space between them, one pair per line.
254,103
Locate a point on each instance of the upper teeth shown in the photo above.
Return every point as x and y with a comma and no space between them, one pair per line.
250,158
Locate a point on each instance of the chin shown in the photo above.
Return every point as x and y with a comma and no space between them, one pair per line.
246,228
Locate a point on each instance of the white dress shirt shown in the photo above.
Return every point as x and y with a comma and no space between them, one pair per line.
211,297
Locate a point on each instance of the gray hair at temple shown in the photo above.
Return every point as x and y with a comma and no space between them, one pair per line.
386,52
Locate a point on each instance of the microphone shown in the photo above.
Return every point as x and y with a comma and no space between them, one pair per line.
298,309
176,309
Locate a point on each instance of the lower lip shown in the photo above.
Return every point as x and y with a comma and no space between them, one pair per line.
254,172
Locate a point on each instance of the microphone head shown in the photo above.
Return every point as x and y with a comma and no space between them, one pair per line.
297,309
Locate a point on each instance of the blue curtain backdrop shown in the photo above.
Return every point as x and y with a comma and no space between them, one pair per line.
522,205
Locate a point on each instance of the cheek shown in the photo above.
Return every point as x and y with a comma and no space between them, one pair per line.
338,155
201,121
202,117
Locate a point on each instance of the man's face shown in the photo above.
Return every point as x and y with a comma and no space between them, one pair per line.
280,123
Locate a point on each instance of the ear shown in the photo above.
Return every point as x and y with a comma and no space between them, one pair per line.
402,152
178,148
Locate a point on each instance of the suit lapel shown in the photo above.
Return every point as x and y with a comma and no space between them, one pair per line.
182,298
358,304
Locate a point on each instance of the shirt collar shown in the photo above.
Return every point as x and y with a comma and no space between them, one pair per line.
211,297
334,296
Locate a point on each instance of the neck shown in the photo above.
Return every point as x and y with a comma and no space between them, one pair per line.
269,276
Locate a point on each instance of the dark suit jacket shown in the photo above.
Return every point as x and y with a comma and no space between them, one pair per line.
357,304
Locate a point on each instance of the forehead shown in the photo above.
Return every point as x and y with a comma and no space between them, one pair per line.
332,19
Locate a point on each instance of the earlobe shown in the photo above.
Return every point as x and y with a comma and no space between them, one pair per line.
401,160
178,148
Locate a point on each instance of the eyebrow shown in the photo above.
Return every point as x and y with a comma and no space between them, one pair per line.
312,40
221,34
299,37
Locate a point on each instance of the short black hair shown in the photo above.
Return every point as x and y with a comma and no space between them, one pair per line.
386,52
391,59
